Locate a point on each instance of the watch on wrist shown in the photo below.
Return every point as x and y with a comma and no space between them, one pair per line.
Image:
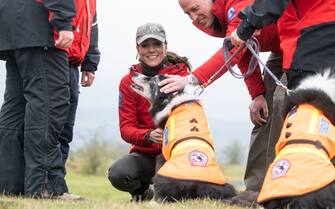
147,136
191,79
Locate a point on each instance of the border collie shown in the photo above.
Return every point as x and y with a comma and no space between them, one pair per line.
190,169
302,174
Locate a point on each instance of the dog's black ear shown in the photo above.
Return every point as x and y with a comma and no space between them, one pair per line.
161,77
160,102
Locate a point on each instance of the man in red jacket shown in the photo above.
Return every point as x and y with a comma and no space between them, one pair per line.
306,30
219,18
133,172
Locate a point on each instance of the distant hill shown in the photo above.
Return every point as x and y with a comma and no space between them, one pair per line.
105,121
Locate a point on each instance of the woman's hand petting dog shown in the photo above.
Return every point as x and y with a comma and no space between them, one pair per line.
172,83
259,111
156,136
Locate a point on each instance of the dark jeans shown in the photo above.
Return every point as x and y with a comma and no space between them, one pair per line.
263,138
66,135
133,172
32,116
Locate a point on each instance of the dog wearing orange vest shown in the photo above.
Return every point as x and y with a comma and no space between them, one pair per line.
190,169
302,174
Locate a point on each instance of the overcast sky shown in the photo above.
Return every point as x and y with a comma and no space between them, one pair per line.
225,102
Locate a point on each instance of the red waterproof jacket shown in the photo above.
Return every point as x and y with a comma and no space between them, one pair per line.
306,30
226,12
82,22
134,116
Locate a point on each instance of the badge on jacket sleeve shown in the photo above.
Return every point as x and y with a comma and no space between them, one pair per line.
120,99
231,13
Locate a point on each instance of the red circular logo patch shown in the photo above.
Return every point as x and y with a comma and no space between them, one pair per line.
198,158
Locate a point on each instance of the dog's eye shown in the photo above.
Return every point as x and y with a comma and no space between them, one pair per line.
161,77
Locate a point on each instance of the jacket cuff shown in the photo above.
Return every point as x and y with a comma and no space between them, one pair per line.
254,85
256,95
244,30
88,67
256,92
63,25
147,136
199,76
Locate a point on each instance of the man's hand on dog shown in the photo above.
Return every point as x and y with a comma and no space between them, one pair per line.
173,83
156,136
259,111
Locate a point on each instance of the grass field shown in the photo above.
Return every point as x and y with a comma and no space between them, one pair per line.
100,194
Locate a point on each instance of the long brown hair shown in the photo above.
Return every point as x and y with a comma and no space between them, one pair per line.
175,59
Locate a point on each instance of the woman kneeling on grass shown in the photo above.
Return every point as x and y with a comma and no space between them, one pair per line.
133,172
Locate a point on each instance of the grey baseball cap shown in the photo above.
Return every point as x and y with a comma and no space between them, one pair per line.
150,30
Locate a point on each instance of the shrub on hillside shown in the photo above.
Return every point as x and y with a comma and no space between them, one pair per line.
233,153
95,156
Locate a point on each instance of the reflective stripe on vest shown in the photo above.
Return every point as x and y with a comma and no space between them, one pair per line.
302,150
308,123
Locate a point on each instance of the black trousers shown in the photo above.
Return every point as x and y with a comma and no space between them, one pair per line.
133,172
34,111
66,135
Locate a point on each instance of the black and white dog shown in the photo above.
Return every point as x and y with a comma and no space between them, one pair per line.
302,174
190,169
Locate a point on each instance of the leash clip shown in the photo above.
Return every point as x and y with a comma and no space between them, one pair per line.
198,90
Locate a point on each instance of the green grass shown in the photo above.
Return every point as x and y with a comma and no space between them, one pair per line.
100,194
94,188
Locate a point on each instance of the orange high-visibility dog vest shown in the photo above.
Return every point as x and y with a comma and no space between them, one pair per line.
188,146
303,153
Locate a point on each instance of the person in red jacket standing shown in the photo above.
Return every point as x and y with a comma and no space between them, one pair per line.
306,30
219,19
133,172
84,54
